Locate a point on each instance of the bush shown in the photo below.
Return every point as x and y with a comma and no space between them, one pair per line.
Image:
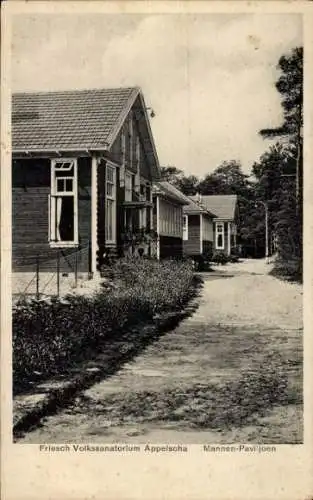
233,257
219,258
49,337
290,270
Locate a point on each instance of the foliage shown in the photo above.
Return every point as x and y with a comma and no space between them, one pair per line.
233,257
201,263
219,258
227,178
48,337
187,184
280,178
276,177
290,87
290,270
139,236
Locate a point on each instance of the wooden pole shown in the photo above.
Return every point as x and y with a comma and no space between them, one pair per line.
37,277
58,273
94,213
76,267
266,231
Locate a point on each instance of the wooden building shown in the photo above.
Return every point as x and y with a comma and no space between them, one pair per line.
225,222
168,205
197,230
83,164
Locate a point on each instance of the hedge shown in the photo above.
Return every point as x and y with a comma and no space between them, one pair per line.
48,337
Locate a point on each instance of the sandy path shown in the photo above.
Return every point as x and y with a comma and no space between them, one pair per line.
240,316
257,299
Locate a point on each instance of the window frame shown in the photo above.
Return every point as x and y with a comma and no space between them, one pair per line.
111,198
55,194
220,233
185,227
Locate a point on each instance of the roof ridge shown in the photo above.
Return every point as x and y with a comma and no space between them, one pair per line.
76,91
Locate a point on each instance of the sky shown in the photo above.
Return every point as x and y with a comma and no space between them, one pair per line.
209,78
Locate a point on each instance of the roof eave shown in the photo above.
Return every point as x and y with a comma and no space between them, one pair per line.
116,129
86,151
114,133
192,212
172,198
225,219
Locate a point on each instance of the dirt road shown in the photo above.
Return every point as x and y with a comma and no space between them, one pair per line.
230,373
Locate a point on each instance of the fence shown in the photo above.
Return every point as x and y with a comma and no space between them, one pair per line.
40,276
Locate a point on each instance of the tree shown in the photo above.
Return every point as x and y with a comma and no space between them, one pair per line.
187,184
227,178
289,162
171,174
290,87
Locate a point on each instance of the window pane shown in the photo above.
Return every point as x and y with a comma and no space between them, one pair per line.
60,185
69,185
110,190
65,218
109,219
64,169
110,174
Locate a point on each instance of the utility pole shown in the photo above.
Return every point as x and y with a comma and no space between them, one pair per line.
265,205
266,231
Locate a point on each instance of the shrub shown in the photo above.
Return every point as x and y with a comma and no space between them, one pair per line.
200,263
290,270
50,336
219,258
233,257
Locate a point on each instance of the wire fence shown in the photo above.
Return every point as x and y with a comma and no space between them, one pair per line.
39,276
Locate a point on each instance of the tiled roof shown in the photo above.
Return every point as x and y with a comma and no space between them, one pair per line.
190,206
194,208
223,206
77,120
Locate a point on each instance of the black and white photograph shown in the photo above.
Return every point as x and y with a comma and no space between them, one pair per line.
156,240
157,230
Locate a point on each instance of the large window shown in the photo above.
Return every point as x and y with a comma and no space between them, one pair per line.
63,220
110,223
219,241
